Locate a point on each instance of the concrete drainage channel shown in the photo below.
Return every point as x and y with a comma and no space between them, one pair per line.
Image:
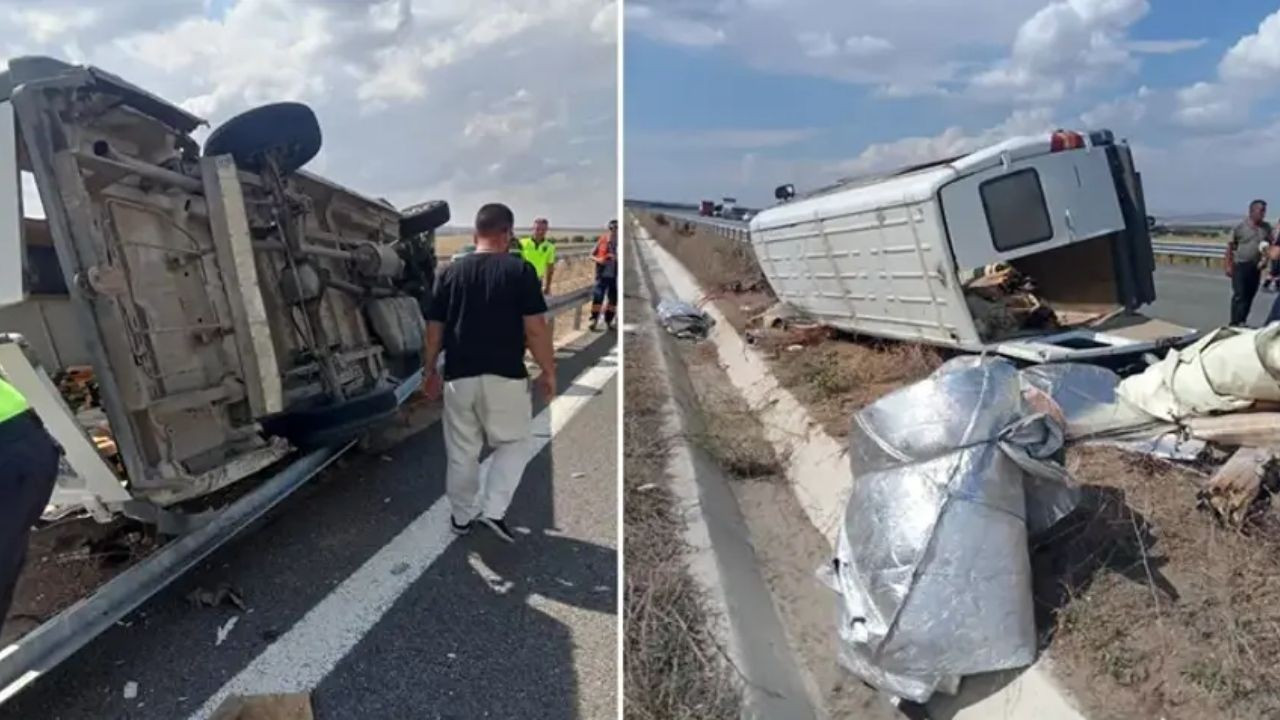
722,560
816,471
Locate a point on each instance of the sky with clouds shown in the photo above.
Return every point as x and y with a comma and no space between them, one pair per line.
513,101
734,97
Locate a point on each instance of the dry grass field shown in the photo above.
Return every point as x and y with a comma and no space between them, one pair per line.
448,244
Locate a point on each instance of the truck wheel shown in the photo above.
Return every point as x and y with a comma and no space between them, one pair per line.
287,130
423,218
331,423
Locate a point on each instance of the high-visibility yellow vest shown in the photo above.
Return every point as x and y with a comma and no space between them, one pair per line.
12,403
539,255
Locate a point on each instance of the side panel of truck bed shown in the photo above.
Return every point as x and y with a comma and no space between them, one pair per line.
882,272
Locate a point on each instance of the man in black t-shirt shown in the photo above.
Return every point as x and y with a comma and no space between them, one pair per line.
486,309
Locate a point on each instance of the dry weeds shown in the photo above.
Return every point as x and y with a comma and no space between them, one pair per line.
733,434
1155,609
672,667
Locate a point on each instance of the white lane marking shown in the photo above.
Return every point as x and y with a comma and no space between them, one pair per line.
302,657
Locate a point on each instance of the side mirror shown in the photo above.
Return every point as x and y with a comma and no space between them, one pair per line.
784,193
1151,223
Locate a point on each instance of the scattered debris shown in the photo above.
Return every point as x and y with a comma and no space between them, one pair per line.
400,568
1234,491
130,690
224,594
1227,370
777,316
646,487
292,706
578,475
1003,302
684,321
225,629
943,495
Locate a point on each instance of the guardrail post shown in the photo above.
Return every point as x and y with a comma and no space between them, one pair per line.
577,318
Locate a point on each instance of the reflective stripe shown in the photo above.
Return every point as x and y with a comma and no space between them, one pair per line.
540,256
11,401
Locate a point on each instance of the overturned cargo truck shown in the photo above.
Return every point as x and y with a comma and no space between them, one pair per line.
228,306
1036,248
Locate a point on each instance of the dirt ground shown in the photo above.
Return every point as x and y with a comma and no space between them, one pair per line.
69,560
1148,607
1151,607
672,667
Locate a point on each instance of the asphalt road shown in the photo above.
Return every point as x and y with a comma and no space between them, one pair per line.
357,592
1200,298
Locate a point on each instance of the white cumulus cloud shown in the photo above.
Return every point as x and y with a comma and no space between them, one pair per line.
511,100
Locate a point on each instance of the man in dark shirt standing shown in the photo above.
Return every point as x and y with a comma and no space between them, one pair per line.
487,308
1245,252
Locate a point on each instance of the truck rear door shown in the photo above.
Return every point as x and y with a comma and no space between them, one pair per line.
1022,205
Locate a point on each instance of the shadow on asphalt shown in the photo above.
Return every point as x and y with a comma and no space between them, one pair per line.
482,630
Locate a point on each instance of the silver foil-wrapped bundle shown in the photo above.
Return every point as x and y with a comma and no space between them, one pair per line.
932,565
684,320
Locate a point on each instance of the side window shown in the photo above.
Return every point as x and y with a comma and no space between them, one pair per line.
1016,211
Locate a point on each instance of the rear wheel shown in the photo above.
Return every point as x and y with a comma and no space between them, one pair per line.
287,131
423,218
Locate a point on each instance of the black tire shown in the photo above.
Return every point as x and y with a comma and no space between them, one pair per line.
288,130
423,218
332,423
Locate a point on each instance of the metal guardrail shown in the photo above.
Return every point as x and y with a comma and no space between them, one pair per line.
62,635
1187,249
732,229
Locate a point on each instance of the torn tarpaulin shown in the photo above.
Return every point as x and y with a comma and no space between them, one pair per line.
684,320
1227,370
932,563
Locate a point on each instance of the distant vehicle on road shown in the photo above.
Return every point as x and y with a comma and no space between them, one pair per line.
1036,248
707,208
728,207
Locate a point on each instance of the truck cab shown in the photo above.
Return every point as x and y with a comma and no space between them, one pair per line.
228,305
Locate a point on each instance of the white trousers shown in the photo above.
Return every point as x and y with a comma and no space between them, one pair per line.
476,409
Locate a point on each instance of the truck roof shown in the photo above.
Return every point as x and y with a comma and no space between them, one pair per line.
909,184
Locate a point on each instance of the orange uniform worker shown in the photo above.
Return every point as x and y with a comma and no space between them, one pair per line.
605,296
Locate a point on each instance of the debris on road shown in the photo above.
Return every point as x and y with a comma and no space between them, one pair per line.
291,706
225,629
222,595
684,320
130,690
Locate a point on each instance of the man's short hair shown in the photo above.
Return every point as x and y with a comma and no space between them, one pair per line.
1256,203
541,221
494,219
